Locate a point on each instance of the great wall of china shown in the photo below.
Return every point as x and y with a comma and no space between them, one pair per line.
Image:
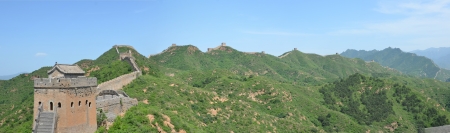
110,97
119,82
223,44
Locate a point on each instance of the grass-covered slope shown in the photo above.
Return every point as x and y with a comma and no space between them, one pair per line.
378,102
226,90
16,102
407,63
221,101
296,66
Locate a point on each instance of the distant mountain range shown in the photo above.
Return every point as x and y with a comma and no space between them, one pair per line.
7,77
440,56
408,63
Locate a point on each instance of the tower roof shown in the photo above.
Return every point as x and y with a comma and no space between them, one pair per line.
67,69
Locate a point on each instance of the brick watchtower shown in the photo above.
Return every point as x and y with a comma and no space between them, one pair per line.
65,101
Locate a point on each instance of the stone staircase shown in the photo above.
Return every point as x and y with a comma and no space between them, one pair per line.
45,123
135,66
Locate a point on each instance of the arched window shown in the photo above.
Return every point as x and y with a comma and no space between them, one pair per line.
89,104
59,104
51,106
40,103
79,103
86,102
71,104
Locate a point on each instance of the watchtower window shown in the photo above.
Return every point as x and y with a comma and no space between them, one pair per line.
89,104
40,103
59,104
71,104
86,102
51,106
79,103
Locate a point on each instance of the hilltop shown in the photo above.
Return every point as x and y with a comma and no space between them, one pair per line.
226,90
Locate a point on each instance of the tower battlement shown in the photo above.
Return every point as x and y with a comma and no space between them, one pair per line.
65,82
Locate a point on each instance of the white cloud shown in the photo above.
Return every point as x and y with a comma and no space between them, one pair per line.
408,24
418,7
41,54
415,18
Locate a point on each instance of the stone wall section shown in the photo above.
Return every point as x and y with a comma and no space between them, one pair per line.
64,82
119,82
221,45
129,46
111,103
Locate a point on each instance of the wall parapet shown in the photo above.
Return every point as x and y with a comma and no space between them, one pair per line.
129,46
119,82
65,82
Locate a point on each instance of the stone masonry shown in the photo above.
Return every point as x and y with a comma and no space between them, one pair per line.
114,102
119,82
72,99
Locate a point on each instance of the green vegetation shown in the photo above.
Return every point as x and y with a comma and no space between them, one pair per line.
227,90
368,100
285,94
16,102
407,63
111,71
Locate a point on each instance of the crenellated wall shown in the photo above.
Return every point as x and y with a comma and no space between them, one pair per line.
65,82
119,82
129,46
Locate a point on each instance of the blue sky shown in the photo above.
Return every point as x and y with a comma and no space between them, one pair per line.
36,34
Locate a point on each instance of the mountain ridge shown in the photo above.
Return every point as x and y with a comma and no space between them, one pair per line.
405,62
227,90
441,55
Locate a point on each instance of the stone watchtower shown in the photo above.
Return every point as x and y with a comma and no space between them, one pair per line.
65,101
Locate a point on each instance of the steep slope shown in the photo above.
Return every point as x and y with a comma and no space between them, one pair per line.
407,63
441,56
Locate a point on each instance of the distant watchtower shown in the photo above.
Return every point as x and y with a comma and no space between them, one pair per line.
65,101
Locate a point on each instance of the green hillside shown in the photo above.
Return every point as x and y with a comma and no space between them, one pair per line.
16,101
227,90
407,63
